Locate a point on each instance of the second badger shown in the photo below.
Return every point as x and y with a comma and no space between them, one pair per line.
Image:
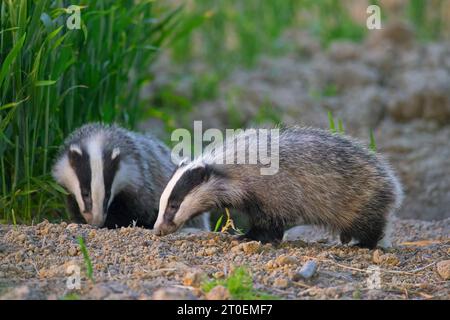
323,179
114,176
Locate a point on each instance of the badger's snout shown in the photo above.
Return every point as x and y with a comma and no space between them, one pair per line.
164,228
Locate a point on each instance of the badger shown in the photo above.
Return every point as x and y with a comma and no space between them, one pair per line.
324,179
114,177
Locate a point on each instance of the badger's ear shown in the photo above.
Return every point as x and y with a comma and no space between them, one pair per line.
201,172
183,162
115,153
74,152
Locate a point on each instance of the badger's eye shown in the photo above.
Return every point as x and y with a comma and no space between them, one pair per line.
173,206
85,193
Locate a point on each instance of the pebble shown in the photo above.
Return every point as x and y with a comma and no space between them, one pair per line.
388,258
285,260
306,271
251,247
194,279
92,234
218,293
22,237
211,251
72,251
281,283
443,268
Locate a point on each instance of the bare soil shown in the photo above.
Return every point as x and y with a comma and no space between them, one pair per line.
132,263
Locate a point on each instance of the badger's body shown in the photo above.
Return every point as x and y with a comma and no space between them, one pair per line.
323,179
114,176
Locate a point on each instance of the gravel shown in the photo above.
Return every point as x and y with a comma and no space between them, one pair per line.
132,263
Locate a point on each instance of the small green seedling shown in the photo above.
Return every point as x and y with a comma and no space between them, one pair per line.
340,127
218,223
240,285
372,145
229,223
87,260
331,122
70,296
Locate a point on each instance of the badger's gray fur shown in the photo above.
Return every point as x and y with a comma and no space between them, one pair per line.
114,176
323,179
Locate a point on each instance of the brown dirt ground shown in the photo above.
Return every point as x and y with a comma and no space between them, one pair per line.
132,263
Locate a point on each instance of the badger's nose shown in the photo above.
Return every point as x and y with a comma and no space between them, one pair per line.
88,216
164,229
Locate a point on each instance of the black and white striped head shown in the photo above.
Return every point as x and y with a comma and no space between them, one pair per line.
90,170
190,191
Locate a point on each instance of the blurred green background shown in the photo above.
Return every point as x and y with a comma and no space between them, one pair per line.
53,79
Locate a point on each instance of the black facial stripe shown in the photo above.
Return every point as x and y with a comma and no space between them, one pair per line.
110,168
82,167
188,181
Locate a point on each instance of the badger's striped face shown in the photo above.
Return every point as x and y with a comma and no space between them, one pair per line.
183,198
88,172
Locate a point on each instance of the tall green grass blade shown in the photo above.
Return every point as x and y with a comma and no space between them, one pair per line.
372,145
218,224
87,259
331,122
6,65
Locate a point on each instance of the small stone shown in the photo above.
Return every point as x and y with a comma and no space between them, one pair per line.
211,251
443,268
251,247
72,227
306,271
92,234
22,237
173,293
390,259
271,264
193,279
281,283
218,293
376,257
45,231
218,275
387,258
72,251
285,260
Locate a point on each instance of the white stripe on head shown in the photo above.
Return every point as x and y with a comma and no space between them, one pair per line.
164,199
94,149
64,174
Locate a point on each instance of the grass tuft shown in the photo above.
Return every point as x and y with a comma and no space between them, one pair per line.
240,285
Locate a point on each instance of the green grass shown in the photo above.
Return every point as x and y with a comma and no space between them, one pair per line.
53,79
372,144
331,123
240,285
429,18
70,296
86,258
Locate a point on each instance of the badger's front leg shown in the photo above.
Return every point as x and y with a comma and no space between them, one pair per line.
264,235
264,230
